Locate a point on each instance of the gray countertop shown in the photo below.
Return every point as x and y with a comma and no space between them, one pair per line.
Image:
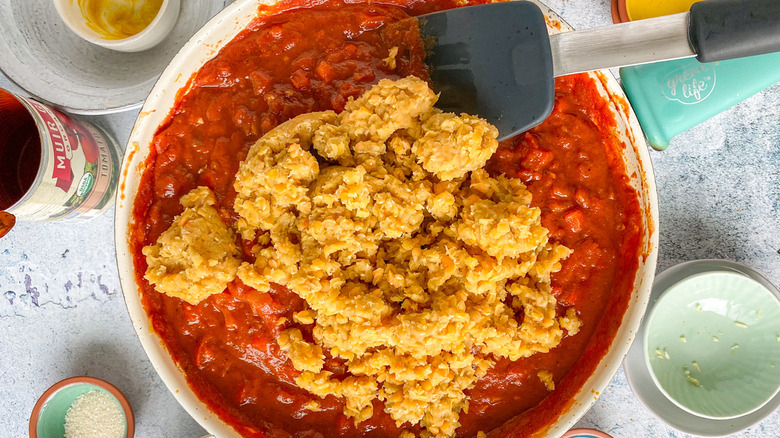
62,312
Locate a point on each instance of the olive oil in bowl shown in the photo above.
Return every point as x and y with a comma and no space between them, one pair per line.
121,25
119,19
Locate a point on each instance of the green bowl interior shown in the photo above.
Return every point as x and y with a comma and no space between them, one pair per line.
51,422
712,344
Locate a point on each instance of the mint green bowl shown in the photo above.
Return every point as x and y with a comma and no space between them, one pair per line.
712,344
48,416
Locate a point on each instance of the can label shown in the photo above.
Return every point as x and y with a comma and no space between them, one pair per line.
62,151
80,168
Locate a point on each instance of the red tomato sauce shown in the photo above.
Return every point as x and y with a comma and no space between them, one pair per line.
313,57
20,152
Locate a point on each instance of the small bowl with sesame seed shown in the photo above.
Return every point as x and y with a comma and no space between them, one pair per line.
82,407
712,344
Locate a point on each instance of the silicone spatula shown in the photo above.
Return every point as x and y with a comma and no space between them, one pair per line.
497,60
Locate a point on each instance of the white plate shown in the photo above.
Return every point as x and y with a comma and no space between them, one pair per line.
41,55
647,392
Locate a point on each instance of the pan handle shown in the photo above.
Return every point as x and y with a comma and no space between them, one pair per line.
728,29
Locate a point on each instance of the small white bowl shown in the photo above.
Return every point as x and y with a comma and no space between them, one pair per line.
48,416
712,343
154,33
638,374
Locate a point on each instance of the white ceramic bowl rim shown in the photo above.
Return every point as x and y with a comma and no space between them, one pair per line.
95,38
174,80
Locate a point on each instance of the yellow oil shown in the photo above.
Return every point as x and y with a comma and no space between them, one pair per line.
642,9
119,19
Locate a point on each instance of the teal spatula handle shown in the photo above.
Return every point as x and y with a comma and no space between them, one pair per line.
729,29
674,96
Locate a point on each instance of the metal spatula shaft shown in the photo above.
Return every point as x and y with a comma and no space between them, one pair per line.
621,45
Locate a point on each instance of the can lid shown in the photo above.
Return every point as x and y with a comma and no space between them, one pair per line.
585,433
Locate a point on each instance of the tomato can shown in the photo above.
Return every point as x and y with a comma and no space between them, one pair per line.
53,166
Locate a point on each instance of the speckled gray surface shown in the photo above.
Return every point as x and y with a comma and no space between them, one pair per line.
62,313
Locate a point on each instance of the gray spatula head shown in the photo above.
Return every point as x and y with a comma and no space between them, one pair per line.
493,61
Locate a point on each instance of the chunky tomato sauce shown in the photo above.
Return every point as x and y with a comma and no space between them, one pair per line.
313,57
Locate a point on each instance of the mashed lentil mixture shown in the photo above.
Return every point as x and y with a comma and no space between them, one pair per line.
326,254
412,260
